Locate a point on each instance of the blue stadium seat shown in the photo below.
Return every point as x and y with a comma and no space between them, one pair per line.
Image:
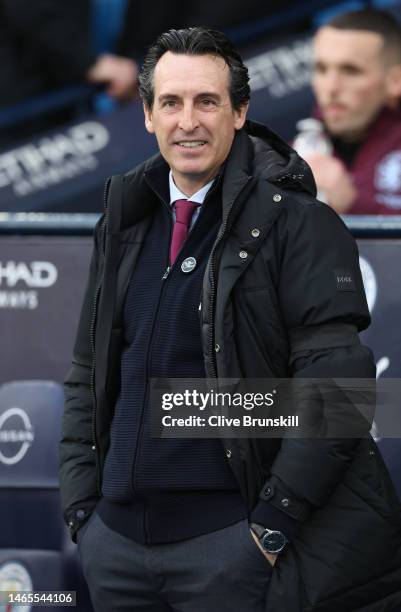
36,552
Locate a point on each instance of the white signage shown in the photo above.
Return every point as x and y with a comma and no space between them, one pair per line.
15,440
32,275
369,282
52,160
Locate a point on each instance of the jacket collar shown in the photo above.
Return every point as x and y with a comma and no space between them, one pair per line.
237,169
256,152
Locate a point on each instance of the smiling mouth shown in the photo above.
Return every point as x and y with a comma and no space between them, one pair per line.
191,144
335,108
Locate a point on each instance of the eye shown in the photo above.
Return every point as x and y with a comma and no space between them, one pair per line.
319,68
169,103
351,70
208,102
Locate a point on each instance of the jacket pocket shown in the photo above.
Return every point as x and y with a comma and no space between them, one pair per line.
347,555
388,509
346,544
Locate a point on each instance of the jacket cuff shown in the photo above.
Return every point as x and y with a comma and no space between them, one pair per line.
268,516
278,508
76,520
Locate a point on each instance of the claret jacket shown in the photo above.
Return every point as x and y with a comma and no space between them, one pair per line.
271,306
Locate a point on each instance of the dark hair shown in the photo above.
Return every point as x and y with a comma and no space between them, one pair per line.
372,20
196,41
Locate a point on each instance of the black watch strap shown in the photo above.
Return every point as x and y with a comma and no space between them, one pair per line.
268,538
259,530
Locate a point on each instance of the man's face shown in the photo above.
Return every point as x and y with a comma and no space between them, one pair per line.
192,116
352,81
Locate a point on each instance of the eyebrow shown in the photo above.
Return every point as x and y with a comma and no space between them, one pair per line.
204,94
342,66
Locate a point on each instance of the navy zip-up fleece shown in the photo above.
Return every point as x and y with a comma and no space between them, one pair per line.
154,489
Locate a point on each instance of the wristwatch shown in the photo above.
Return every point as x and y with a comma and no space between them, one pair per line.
271,541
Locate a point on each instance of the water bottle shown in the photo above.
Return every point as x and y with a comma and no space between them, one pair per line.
311,139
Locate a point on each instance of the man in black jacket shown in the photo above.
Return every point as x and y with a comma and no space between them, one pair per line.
46,45
226,211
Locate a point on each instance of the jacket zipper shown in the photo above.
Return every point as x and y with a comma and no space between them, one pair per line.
92,331
210,346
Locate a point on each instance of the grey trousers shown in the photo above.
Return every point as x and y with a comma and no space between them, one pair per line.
222,571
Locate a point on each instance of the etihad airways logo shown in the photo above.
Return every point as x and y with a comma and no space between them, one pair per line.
52,160
16,276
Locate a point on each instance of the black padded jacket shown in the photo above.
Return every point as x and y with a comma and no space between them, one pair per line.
275,313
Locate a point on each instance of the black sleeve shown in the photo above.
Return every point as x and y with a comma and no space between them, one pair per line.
78,471
324,306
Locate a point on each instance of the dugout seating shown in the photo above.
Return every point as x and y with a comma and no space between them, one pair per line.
36,552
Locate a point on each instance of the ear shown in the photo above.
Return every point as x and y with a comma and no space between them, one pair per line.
148,119
393,82
240,116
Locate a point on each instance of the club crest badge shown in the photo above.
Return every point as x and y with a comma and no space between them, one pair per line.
188,264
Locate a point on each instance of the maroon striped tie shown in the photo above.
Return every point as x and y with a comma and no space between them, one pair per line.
184,209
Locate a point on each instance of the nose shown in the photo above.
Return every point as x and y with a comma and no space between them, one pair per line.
331,83
188,120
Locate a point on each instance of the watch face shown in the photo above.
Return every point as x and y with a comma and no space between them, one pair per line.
273,542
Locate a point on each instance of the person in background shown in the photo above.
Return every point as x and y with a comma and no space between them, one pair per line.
45,45
357,84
